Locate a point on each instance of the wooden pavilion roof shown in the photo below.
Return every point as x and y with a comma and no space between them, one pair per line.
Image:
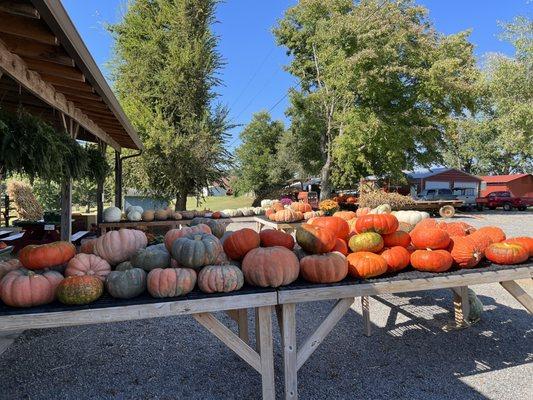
46,68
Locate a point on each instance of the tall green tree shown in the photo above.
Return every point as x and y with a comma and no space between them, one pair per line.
166,72
378,85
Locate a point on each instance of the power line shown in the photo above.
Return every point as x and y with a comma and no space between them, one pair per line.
279,101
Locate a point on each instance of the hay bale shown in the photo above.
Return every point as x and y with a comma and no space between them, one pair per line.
376,198
26,205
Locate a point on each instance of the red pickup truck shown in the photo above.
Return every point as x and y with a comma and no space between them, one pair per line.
505,200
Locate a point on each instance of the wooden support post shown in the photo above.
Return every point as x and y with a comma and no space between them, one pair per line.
519,294
257,341
7,339
267,352
365,306
118,180
461,306
242,323
288,333
66,209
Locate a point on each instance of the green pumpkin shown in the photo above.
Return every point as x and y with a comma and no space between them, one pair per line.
124,266
220,279
79,289
196,250
218,228
151,257
126,284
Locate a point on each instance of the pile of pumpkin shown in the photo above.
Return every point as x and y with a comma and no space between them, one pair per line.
297,211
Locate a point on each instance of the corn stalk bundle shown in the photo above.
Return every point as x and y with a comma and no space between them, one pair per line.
26,204
376,198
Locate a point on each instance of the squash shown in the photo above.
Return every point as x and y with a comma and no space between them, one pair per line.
345,215
247,211
301,207
368,241
155,256
405,227
8,266
46,255
313,214
271,237
456,228
465,252
507,253
79,290
134,216
148,215
431,238
176,216
87,246
270,266
397,258
431,260
379,223
170,282
220,279
217,227
338,226
496,234
229,213
88,264
126,284
410,217
118,246
124,266
174,234
266,203
287,216
315,239
526,242
341,246
381,209
366,265
112,214
161,215
129,209
240,242
187,214
362,211
196,250
25,288
258,210
324,268
398,238
482,240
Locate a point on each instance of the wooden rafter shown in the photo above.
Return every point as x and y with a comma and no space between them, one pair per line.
60,83
20,8
27,48
54,69
21,26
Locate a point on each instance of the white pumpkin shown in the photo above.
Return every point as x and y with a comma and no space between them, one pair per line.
382,209
232,213
259,210
134,215
134,208
247,211
410,217
266,203
112,214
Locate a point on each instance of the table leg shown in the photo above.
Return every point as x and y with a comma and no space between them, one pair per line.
266,351
461,305
365,305
7,339
242,323
519,294
288,320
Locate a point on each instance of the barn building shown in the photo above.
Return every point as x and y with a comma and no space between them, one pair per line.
519,185
442,178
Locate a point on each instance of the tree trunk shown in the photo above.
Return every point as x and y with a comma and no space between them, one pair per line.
325,183
181,201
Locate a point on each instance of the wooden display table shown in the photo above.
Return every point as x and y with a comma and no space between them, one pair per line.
345,292
199,305
171,224
287,227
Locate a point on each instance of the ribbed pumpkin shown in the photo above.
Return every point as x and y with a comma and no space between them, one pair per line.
196,250
8,266
315,239
397,258
218,228
148,215
161,215
341,246
301,207
220,279
398,238
496,234
366,265
79,290
337,225
313,214
270,267
526,242
426,223
170,282
287,216
118,246
345,215
430,238
277,206
324,268
482,240
46,255
174,234
379,223
456,228
240,242
87,246
362,211
25,288
368,241
271,237
88,264
507,253
465,251
126,284
431,260
152,257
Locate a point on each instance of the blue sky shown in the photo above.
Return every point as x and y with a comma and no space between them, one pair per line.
253,77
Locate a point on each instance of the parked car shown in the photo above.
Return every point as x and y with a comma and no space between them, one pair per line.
504,200
467,195
436,194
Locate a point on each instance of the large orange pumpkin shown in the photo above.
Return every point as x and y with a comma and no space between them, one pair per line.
315,239
397,258
170,282
366,265
456,228
270,266
362,211
465,252
368,241
507,253
324,268
341,246
426,223
345,215
526,242
431,260
241,242
481,239
287,215
398,238
25,288
46,255
379,223
174,234
430,238
337,225
278,206
496,234
301,207
271,237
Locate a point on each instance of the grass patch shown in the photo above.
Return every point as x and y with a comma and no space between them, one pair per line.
217,203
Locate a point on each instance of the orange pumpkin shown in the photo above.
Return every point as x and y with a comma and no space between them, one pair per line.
351,225
286,215
216,215
278,207
341,246
379,223
271,237
366,265
345,215
431,260
430,238
270,267
496,234
170,282
426,223
368,241
88,264
25,288
362,211
481,239
526,242
507,253
465,252
240,242
337,225
398,238
87,246
8,266
301,207
324,268
397,258
456,228
175,234
315,239
46,255
269,211
351,200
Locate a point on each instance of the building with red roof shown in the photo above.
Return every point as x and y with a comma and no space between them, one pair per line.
520,185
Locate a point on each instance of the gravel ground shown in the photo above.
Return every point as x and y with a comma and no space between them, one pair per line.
409,356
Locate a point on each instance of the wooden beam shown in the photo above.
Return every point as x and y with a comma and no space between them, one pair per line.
266,351
365,307
83,97
30,29
34,83
27,48
519,294
21,8
68,83
288,333
90,95
53,69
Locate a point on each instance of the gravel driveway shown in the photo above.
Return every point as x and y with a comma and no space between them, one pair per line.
409,356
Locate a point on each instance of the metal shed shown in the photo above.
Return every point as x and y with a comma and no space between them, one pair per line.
442,178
